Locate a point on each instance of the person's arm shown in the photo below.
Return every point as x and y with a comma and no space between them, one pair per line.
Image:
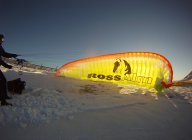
8,55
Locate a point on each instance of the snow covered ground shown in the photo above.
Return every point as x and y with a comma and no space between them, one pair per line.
64,108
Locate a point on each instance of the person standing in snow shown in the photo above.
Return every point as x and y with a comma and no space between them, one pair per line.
3,81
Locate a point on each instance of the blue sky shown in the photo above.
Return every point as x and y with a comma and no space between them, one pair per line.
53,32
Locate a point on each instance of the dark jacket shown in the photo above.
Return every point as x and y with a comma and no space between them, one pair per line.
5,54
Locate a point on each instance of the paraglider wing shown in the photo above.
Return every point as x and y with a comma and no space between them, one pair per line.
145,69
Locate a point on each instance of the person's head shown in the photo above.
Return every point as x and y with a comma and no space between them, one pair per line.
1,38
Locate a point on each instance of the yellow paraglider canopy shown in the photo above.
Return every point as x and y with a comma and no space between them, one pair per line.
146,69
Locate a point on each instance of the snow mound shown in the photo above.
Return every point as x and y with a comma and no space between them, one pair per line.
36,106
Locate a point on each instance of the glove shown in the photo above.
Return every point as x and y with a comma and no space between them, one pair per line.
14,55
9,66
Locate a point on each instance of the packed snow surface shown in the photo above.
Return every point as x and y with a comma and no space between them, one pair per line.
48,98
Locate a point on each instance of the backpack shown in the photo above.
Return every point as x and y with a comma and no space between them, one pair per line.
16,86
